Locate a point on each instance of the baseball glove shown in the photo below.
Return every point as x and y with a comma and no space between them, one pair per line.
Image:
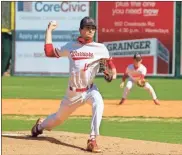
104,68
107,76
141,82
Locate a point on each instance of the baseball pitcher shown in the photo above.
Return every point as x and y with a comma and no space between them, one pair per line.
85,57
136,75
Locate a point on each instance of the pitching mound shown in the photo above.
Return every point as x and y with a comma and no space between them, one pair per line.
20,143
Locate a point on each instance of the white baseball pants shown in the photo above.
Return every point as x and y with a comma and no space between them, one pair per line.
147,87
71,102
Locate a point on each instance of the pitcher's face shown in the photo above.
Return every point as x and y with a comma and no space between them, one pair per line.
87,32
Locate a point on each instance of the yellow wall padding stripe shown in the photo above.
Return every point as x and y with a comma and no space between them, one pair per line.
12,15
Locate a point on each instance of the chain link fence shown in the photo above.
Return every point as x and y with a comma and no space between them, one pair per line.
6,15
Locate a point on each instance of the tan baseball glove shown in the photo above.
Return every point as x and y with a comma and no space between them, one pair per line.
141,82
104,68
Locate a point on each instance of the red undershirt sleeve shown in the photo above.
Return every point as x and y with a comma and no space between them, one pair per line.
50,51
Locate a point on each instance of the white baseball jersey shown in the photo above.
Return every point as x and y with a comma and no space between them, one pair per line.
84,64
136,73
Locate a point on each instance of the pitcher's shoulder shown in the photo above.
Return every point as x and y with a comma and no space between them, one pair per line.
98,44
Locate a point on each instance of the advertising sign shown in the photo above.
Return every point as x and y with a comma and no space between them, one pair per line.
155,54
31,21
139,22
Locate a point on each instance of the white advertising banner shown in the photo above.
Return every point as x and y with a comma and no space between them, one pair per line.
31,20
130,47
155,54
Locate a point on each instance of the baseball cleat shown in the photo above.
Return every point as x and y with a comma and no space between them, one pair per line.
156,101
122,101
34,131
92,146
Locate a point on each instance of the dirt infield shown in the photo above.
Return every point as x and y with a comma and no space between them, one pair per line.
19,143
131,108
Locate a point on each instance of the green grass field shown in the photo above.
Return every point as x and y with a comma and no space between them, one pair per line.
55,87
162,130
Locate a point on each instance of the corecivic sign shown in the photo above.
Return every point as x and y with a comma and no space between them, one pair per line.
31,21
52,7
62,7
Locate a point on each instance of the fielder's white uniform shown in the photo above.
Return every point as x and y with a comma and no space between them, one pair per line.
135,74
84,65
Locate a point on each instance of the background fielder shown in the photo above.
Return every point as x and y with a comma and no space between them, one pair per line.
136,75
84,56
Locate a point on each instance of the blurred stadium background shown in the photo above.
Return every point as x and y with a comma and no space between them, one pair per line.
129,27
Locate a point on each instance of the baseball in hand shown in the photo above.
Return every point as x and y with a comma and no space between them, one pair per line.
52,25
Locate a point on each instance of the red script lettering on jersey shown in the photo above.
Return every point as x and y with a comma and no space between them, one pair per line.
81,55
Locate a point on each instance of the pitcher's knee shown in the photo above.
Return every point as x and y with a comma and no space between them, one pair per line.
99,103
